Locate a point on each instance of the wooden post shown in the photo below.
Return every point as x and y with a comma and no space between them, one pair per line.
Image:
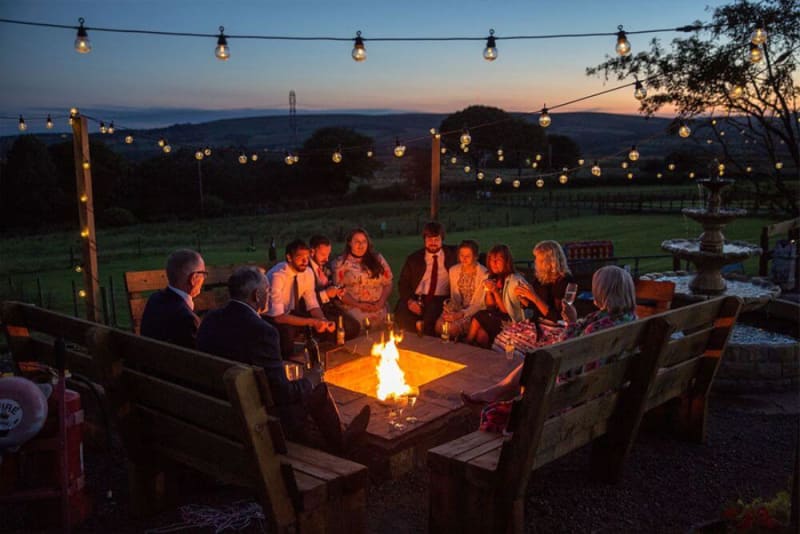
436,142
83,178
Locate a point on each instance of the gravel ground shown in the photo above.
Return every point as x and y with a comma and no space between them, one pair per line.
668,485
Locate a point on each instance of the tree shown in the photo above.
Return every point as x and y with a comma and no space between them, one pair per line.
321,175
709,77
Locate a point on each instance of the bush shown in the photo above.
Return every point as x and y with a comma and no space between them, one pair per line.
115,216
213,206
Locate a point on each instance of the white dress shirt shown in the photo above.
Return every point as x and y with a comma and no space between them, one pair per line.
281,280
187,298
442,278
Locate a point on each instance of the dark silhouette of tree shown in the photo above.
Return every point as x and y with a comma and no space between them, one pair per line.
711,72
320,175
566,152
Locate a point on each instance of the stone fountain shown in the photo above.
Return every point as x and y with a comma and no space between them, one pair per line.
710,252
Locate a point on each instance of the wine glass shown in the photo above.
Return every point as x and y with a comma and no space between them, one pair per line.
389,321
569,294
412,395
509,348
445,331
398,335
366,327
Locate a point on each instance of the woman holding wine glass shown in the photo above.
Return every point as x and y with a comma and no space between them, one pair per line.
366,279
466,291
550,282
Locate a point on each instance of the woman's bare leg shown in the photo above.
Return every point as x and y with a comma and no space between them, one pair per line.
506,389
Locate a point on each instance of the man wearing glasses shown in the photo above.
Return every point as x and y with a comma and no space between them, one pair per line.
169,314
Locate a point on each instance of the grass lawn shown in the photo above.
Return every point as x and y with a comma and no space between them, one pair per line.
24,259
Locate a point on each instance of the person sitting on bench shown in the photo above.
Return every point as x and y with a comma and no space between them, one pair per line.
237,332
169,313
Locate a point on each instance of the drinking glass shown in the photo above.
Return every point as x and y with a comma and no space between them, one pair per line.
509,347
293,371
412,395
420,325
398,336
569,294
445,332
366,327
389,322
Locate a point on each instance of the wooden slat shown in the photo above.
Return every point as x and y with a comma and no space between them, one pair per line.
171,362
77,362
182,403
694,316
561,427
589,385
141,281
686,347
53,323
354,476
441,458
136,307
672,382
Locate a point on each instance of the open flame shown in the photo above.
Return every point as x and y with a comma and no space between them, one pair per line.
391,379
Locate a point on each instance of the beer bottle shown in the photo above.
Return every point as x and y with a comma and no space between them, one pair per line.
340,331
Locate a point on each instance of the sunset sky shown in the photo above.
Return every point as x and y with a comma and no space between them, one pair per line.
42,72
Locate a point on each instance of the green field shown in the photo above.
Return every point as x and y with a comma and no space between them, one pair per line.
30,262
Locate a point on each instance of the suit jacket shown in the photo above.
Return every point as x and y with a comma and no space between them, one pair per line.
237,333
319,286
414,270
167,318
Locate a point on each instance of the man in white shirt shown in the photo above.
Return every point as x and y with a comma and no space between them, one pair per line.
293,303
424,281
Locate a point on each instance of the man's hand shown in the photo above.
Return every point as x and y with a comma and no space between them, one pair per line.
414,307
322,325
334,292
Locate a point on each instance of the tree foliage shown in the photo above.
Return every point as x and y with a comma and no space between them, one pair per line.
327,177
709,77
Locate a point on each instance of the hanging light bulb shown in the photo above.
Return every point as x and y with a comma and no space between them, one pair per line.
199,155
596,170
563,178
103,128
778,165
659,175
633,155
748,169
581,161
721,167
242,158
490,52
623,46
624,165
639,91
253,157
86,165
79,268
222,51
538,157
85,233
722,133
671,166
288,159
443,150
82,44
630,176
128,139
501,158
82,293
759,36
713,122
684,130
336,157
709,141
465,138
480,175
111,128
399,150
467,168
167,149
534,165
539,183
73,114
691,175
755,53
207,151
370,153
465,148
49,122
359,52
22,125
498,180
499,151
516,184
544,120
296,158
453,160
162,142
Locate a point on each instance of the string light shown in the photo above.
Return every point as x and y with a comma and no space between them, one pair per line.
288,159
736,92
630,176
659,175
128,139
516,184
623,45
596,170
85,165
748,169
22,125
684,130
111,128
443,150
581,162
199,155
167,149
82,43
778,165
254,157
544,119
103,128
465,148
370,153
759,36
222,51
79,268
242,158
453,160
465,138
359,52
399,150
480,175
490,52
498,180
84,198
563,178
161,142
534,165
207,151
85,233
671,166
691,175
336,157
501,158
49,122
639,91
467,168
499,152
82,293
755,53
540,183
633,155
538,157
624,164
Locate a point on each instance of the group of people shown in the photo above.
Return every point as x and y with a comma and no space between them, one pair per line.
441,288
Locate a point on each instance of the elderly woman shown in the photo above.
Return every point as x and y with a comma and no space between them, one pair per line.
466,290
550,282
501,299
615,297
365,277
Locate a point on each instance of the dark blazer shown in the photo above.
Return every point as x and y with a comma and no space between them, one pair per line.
237,333
167,318
414,270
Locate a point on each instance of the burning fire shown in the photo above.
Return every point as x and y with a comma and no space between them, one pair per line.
391,379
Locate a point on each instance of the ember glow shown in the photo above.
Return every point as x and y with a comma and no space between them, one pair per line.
391,379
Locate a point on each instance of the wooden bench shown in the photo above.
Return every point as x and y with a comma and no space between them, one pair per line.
653,297
790,229
140,284
178,407
478,482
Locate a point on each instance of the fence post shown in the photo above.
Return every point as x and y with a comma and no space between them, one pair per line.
104,302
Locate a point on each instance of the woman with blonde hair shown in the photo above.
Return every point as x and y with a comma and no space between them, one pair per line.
544,295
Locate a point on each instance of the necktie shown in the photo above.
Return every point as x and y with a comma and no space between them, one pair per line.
434,276
295,294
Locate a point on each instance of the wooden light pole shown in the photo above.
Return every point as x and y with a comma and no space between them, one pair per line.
436,142
83,178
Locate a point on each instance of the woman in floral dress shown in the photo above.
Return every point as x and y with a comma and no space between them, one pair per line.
466,291
365,277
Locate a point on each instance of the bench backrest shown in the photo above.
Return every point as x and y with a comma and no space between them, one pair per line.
167,399
653,297
645,367
140,284
790,229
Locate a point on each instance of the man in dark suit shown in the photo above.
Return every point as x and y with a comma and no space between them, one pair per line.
238,332
424,282
169,313
327,293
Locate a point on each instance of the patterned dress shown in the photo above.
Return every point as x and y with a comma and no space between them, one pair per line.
360,286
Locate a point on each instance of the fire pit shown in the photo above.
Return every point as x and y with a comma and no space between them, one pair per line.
440,371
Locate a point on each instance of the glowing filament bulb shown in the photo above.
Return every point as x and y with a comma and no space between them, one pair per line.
480,175
399,150
759,36
84,198
633,155
359,52
336,157
199,155
222,51
453,160
162,142
467,168
167,149
596,170
242,158
756,54
49,123
490,52
370,153
85,233
639,91
254,157
498,180
82,293
207,151
22,125
623,45
671,166
82,43
539,183
103,128
465,138
684,131
624,165
544,119
111,128
288,159
516,184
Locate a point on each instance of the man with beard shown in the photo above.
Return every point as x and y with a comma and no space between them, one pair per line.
328,294
424,282
236,331
293,301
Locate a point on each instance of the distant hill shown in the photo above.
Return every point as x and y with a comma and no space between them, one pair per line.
597,134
